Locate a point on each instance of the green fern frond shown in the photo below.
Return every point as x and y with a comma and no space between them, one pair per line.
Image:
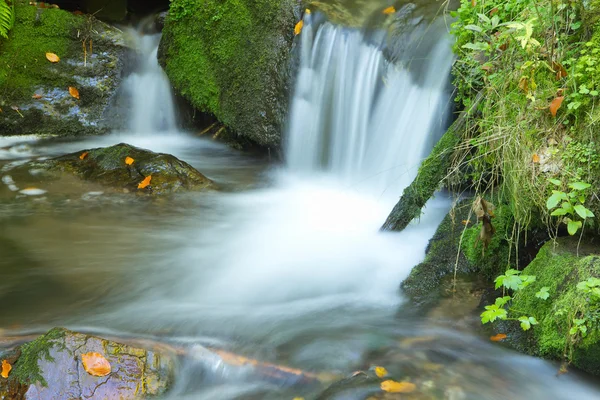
7,18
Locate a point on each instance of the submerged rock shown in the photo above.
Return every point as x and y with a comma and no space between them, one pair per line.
50,368
232,59
35,92
558,268
108,167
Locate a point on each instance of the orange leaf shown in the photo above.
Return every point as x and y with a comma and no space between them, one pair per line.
493,11
535,158
129,160
465,222
497,338
52,57
298,27
389,10
6,367
145,182
74,92
397,387
555,105
380,372
473,3
36,96
95,364
561,72
83,155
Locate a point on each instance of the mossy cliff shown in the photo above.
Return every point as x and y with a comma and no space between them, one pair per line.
231,59
559,268
34,92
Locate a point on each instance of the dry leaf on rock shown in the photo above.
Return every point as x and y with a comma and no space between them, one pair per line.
389,10
129,160
145,182
555,105
53,58
380,372
95,364
497,338
298,27
83,155
397,387
74,92
6,367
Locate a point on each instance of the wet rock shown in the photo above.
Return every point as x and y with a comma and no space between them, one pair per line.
236,66
159,20
50,368
36,96
107,166
358,386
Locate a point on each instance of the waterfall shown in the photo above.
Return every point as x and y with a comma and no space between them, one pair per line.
366,120
148,88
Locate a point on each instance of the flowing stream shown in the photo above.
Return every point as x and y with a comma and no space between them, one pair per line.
286,264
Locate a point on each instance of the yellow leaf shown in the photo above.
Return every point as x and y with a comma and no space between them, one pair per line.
83,155
52,57
307,11
535,158
380,372
498,337
397,387
555,105
74,92
129,160
298,398
298,27
389,10
6,367
95,364
145,182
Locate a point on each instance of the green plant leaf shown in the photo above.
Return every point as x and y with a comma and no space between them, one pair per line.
559,212
474,28
579,185
553,201
481,46
525,323
573,227
492,313
581,211
501,301
543,293
555,182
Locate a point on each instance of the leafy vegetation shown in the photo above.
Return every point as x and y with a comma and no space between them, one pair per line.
7,18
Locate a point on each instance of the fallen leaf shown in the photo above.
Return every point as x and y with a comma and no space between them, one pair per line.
524,84
465,222
74,92
36,96
83,155
555,105
298,27
389,10
53,58
561,72
486,68
380,372
77,12
307,11
497,338
145,182
129,160
6,367
493,11
397,387
95,364
535,158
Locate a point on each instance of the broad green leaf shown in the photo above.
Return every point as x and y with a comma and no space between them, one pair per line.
573,227
525,323
567,207
589,214
484,18
533,321
581,211
511,271
526,281
477,46
553,201
543,293
501,301
559,212
555,182
492,313
579,185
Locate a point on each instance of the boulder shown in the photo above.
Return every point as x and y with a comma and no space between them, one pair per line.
35,92
51,368
558,268
232,60
107,166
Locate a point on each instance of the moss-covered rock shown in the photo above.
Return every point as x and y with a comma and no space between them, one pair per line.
107,167
559,268
231,59
442,257
39,89
50,368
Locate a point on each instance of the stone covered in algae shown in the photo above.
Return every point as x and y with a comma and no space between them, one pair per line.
50,367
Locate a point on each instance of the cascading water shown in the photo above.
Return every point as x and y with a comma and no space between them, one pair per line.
366,120
148,89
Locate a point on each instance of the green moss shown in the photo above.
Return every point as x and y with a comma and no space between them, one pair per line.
224,57
497,257
26,370
23,64
559,269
